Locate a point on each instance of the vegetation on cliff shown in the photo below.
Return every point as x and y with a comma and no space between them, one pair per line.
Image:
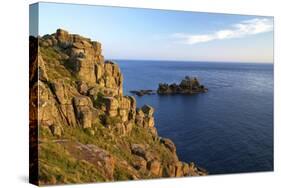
89,131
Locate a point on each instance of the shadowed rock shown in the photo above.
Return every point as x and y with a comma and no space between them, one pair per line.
187,86
142,92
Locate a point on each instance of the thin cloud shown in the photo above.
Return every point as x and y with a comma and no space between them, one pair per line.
239,30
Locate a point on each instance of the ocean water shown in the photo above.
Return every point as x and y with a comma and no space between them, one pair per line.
227,130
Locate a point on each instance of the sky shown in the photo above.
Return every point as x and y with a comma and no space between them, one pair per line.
134,33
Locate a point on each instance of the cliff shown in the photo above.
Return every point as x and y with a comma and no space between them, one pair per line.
89,131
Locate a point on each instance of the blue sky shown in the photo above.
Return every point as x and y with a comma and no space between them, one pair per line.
129,33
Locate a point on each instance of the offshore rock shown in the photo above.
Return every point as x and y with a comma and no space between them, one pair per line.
188,85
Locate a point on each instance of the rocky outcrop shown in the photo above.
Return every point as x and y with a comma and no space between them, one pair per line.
146,160
145,118
76,95
86,61
85,112
139,150
89,153
142,92
168,144
187,86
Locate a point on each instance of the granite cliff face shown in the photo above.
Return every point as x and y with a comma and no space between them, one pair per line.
89,131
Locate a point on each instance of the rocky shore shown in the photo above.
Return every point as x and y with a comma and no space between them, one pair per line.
88,130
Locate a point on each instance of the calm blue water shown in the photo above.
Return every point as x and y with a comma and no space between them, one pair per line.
227,130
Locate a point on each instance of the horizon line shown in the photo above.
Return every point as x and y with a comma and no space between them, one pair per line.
207,61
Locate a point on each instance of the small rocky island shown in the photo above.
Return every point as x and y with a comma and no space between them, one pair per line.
189,85
142,92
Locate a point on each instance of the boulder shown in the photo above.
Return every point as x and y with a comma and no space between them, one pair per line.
168,144
139,150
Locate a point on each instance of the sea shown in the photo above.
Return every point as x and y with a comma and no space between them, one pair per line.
229,129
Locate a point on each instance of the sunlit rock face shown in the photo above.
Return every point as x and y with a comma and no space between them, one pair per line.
76,99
